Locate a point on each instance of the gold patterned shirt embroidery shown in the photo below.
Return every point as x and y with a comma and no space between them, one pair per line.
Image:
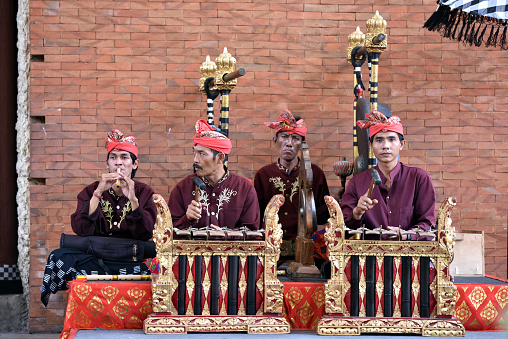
108,212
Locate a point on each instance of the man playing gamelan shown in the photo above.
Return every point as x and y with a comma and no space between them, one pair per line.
228,200
406,196
282,177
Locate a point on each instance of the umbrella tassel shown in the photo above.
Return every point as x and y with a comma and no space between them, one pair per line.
479,39
502,43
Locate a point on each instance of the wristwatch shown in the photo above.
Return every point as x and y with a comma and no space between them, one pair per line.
408,236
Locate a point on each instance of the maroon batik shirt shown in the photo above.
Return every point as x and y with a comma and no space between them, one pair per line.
276,179
410,202
114,215
231,203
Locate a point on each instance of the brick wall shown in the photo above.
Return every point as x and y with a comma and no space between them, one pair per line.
134,65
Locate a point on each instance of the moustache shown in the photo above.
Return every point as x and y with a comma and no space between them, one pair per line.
196,166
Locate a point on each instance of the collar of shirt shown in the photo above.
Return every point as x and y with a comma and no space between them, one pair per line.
226,175
393,174
288,171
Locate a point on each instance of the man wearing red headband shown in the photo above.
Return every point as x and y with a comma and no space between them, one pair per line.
111,208
282,177
227,200
117,205
406,197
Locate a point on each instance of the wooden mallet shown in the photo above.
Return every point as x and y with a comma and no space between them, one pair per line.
376,180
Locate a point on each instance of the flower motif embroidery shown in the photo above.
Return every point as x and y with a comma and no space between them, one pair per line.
277,182
224,197
108,212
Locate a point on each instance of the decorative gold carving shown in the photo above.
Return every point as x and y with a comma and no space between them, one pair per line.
165,284
341,250
358,325
375,26
242,286
163,230
207,70
416,288
379,286
397,285
357,38
158,324
225,64
362,288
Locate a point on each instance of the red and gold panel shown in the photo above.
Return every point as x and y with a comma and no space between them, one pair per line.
482,307
117,305
304,304
124,305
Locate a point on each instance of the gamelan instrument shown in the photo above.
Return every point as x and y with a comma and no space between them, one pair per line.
208,285
385,286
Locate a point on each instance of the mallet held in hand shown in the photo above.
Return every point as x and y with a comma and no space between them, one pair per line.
376,180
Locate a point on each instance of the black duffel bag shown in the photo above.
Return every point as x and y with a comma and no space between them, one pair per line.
109,248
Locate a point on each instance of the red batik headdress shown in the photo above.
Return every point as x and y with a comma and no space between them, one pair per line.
116,140
288,123
208,137
377,122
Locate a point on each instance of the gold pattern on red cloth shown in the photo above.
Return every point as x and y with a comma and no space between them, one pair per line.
482,307
114,305
109,292
477,296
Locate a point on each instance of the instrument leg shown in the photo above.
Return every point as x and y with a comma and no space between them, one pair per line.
251,284
215,288
233,285
370,281
424,287
406,287
388,287
355,292
198,288
182,283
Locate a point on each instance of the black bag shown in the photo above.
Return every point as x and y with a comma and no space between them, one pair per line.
109,248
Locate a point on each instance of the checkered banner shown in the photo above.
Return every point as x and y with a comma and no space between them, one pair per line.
497,9
473,22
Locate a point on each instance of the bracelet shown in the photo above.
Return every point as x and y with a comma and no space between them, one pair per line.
97,196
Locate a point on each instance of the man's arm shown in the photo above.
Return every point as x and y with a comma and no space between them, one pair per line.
250,216
178,208
141,221
425,202
83,223
349,202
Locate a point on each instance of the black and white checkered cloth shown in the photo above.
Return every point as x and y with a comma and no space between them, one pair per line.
64,264
9,272
497,9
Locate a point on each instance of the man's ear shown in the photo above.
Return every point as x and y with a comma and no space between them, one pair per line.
221,157
402,144
275,140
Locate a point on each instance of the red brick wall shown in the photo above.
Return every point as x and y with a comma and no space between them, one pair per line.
134,65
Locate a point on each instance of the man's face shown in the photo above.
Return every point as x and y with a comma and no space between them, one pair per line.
122,160
386,146
289,145
204,162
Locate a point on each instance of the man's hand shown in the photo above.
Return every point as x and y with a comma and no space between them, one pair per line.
364,204
106,182
193,210
127,186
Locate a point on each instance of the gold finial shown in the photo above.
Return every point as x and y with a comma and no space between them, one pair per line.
376,27
207,70
357,38
376,24
225,64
